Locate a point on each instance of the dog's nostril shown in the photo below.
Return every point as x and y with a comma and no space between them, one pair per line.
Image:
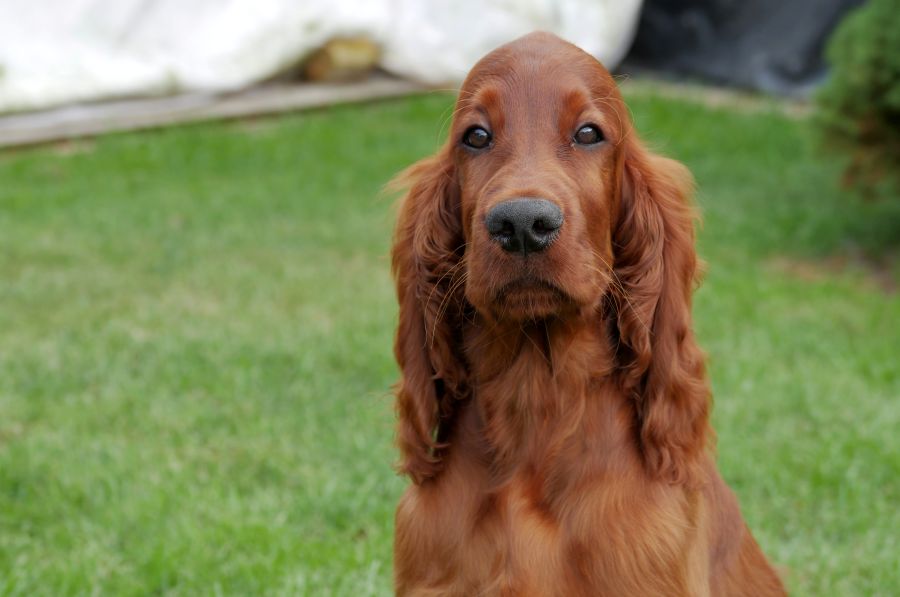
524,225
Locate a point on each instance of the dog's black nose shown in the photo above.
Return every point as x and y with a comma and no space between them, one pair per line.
524,225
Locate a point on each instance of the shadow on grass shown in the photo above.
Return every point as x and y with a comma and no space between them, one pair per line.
768,191
843,232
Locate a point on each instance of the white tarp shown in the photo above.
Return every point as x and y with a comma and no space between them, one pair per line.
63,51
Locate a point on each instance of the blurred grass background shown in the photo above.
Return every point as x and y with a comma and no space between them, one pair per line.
195,352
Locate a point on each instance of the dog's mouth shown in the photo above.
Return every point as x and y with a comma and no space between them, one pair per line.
529,298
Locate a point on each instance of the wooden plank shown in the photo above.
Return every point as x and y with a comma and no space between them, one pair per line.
87,120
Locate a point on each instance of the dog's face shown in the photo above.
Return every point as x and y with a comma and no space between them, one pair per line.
536,140
544,205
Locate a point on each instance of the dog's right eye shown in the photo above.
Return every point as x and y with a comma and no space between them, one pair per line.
476,137
588,134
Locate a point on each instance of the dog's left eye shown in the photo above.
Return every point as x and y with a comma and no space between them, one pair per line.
588,134
476,137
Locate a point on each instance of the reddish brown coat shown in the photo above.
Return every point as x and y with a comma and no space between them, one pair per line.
553,409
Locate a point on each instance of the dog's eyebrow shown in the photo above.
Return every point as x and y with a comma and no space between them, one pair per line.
578,105
484,102
576,99
486,97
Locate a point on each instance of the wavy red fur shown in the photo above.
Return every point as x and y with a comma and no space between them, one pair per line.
553,407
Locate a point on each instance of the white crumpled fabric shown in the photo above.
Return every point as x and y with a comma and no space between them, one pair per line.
56,52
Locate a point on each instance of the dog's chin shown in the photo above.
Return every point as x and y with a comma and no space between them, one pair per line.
531,300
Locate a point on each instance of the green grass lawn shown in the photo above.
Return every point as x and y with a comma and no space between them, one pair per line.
195,352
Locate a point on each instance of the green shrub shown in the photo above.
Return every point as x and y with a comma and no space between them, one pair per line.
859,105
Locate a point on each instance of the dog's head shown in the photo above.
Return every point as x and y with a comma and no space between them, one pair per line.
544,204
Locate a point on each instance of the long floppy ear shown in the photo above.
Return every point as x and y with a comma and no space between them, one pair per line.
656,266
426,261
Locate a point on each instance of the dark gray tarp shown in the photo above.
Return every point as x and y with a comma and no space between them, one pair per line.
775,46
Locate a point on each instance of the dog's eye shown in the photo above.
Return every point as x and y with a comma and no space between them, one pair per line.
476,137
588,135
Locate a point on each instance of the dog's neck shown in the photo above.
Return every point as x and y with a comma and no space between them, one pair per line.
533,383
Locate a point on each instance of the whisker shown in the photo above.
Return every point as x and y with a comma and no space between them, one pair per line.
449,272
445,303
621,287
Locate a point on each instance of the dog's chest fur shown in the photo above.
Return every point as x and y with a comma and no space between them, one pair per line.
497,521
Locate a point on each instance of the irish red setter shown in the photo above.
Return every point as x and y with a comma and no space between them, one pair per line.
553,408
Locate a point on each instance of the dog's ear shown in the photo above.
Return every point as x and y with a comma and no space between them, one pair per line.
426,261
656,265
